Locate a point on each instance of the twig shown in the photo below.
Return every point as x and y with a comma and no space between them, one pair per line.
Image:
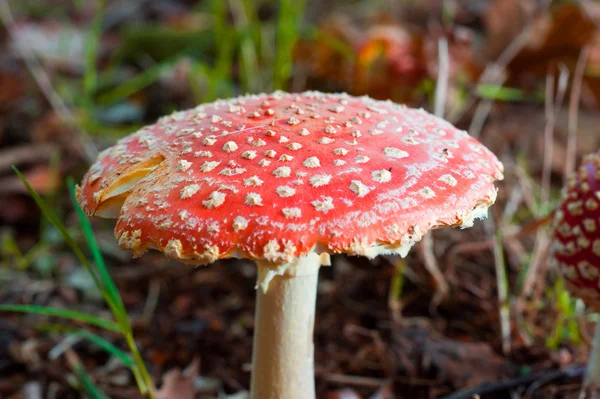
24,154
478,246
552,107
574,113
431,264
356,380
543,238
36,69
480,115
151,301
427,244
493,72
502,285
441,89
502,386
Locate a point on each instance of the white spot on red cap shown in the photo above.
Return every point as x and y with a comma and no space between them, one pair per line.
311,162
215,199
427,192
381,176
258,142
230,146
291,213
359,188
325,140
203,154
209,141
213,228
282,171
285,191
393,152
325,204
253,181
250,154
329,129
448,179
183,165
240,223
207,166
253,199
189,191
270,153
232,171
319,180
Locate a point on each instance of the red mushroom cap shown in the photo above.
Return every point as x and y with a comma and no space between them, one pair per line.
577,233
274,177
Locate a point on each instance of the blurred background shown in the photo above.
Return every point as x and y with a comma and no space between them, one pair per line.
483,305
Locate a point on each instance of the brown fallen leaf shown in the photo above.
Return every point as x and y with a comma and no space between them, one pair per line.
449,362
41,178
178,384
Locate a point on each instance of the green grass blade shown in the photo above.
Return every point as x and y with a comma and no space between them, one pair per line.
47,212
74,247
288,28
500,93
86,382
108,283
90,74
135,84
63,313
247,52
105,345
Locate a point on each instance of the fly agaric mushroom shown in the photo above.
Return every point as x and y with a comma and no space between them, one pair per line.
576,248
286,180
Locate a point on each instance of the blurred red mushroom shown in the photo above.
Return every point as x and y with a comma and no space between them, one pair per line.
577,249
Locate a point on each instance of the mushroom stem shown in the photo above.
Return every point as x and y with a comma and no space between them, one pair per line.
283,361
591,381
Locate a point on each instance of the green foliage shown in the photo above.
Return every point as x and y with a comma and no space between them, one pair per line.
105,285
231,50
85,381
90,73
63,313
288,30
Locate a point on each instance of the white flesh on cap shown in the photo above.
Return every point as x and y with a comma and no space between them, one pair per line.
283,353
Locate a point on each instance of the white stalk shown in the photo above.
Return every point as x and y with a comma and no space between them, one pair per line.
282,360
591,381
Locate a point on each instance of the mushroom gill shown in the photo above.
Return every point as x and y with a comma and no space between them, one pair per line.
110,199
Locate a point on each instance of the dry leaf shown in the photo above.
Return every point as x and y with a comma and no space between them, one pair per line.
180,384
